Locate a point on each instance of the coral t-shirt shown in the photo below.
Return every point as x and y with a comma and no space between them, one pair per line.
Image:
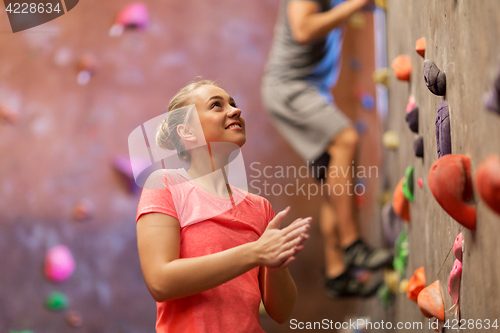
209,224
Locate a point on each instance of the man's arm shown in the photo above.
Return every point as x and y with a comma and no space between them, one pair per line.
308,24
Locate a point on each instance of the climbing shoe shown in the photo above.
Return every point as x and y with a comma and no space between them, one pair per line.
361,255
346,285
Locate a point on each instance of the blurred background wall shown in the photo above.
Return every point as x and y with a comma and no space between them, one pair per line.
59,153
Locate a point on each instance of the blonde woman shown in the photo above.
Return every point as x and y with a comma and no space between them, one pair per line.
210,252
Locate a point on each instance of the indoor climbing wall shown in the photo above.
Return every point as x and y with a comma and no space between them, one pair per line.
461,40
73,89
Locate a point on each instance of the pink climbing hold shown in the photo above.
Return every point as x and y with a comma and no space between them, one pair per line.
458,247
454,282
8,114
411,104
420,182
134,15
83,210
59,263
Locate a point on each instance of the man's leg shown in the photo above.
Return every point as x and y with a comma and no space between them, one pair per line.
339,178
334,262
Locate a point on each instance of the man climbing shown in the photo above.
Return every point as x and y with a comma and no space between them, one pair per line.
303,67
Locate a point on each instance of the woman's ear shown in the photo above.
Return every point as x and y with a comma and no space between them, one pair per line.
185,133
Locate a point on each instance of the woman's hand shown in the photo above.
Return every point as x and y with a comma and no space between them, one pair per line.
277,247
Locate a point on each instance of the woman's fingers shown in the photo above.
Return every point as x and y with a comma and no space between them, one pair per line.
297,224
297,232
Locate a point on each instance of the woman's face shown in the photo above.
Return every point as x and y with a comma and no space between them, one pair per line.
219,116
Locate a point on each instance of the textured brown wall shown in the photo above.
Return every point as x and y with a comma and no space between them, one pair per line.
462,38
61,148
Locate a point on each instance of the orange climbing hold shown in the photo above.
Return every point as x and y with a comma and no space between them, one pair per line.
487,180
420,46
416,284
430,301
450,183
401,65
400,204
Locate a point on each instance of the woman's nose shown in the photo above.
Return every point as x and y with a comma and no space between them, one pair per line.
234,111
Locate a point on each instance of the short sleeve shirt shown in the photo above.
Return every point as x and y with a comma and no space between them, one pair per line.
234,305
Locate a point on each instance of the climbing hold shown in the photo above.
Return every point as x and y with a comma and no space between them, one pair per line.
355,64
74,318
391,224
487,180
8,114
385,197
391,279
450,183
83,210
87,67
59,263
133,16
403,286
454,281
401,251
384,296
123,164
368,101
420,182
408,186
418,146
401,65
420,46
443,135
430,301
381,76
400,204
412,119
390,140
435,79
56,301
492,98
416,284
361,126
357,21
360,201
381,4
458,246
411,104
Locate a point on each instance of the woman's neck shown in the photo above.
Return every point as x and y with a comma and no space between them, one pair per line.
209,169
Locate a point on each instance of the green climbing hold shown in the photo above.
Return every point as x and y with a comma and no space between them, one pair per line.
401,251
384,296
408,184
11,331
57,301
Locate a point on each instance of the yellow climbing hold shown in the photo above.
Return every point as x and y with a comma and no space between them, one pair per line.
381,76
390,140
357,21
381,4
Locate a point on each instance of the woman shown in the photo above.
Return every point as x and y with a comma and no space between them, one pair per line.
209,273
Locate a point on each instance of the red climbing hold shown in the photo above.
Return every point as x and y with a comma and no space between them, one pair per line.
420,46
401,65
400,204
416,284
450,183
430,301
487,181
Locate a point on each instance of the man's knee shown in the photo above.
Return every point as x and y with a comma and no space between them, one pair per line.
346,140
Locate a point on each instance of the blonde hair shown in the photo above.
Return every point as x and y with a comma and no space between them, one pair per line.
167,136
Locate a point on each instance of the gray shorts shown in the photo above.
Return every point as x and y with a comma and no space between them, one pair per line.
303,116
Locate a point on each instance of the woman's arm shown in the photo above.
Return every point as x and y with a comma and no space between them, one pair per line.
168,277
307,24
279,293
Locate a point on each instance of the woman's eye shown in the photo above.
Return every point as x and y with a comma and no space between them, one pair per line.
216,104
234,105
